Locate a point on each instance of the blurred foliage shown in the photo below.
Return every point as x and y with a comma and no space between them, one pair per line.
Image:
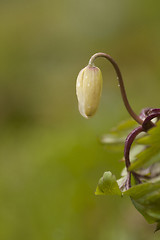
144,161
50,157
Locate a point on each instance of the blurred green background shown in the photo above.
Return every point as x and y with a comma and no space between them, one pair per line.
50,157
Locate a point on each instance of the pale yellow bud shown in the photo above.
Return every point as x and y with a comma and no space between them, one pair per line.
88,90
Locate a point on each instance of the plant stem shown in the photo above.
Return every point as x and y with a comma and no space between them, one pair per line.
121,84
147,124
128,181
128,143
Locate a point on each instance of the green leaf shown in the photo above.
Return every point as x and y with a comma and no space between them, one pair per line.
112,139
118,134
142,210
135,150
146,199
107,185
113,142
151,154
124,126
145,159
157,227
138,191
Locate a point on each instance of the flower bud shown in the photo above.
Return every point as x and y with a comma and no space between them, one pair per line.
88,90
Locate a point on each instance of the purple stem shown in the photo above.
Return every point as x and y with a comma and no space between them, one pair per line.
121,84
147,124
129,140
144,113
153,110
128,143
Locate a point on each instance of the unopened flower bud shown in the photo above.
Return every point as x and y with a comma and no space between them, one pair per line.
88,90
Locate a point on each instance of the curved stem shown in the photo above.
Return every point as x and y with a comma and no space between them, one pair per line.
121,84
153,110
128,143
147,124
144,113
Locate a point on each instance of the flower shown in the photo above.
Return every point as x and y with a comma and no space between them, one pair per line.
88,90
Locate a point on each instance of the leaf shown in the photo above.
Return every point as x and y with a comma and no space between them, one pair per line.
107,185
124,126
113,142
138,191
152,153
145,158
116,137
146,199
135,150
157,227
112,139
141,209
118,134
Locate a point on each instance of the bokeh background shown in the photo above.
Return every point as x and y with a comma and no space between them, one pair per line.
50,157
